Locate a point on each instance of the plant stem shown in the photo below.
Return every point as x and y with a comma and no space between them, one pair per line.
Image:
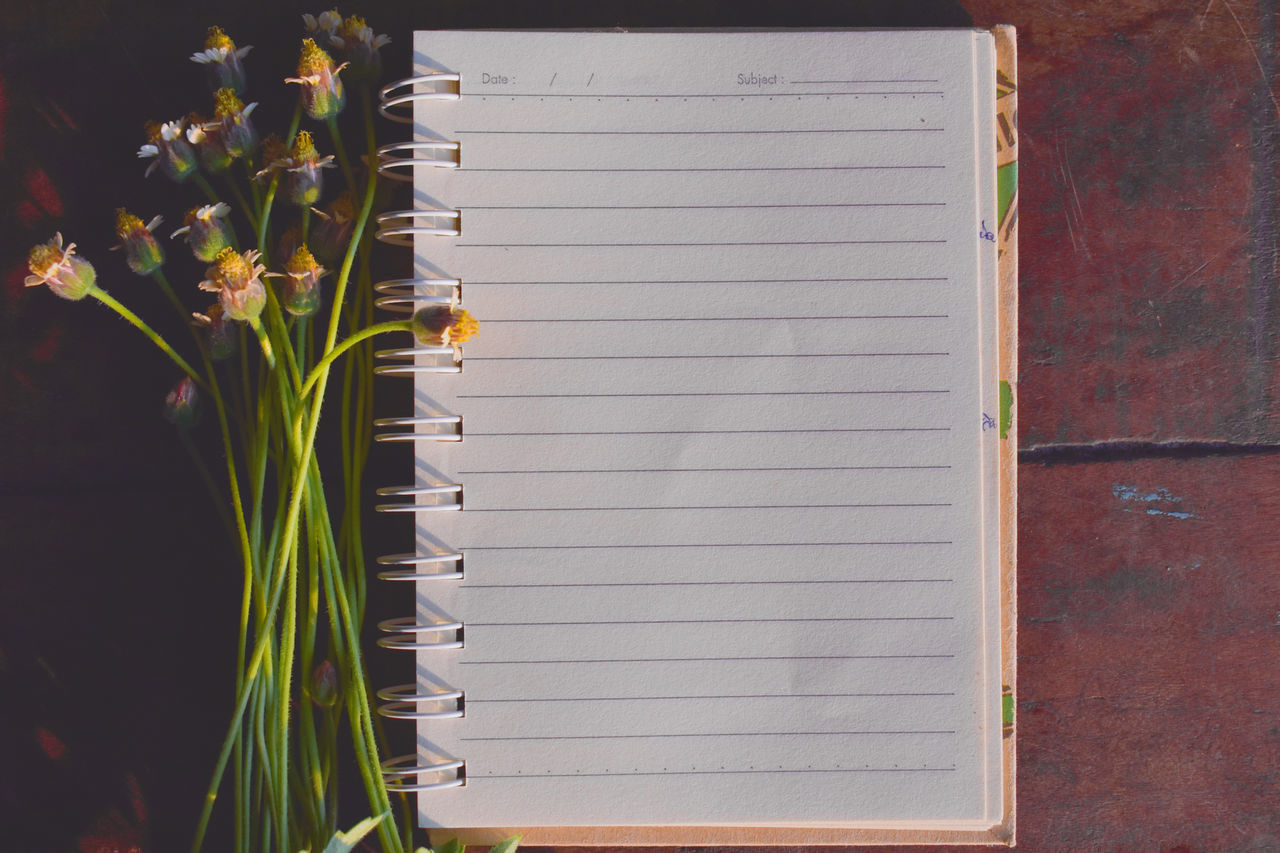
322,367
111,302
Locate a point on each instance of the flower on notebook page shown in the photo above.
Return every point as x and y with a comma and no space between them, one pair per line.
444,326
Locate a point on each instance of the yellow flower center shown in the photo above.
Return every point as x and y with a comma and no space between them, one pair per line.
127,223
351,27
301,262
217,38
231,266
44,258
304,148
464,325
152,129
226,103
313,59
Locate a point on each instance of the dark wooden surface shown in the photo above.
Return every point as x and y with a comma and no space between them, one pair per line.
1149,593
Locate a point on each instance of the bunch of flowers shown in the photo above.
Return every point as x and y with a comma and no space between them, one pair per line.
288,302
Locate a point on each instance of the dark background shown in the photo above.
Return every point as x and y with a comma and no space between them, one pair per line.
1149,595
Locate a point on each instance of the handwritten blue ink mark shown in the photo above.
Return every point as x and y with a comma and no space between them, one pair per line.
988,422
984,234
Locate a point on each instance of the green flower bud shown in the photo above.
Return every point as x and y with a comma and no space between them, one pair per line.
324,685
323,96
207,230
301,292
222,58
141,251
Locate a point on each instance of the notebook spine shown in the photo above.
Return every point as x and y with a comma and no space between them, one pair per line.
404,296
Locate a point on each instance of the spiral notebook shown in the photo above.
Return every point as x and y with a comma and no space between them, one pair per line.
714,516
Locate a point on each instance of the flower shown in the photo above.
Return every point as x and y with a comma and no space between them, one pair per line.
206,136
219,335
322,93
237,281
360,47
333,230
301,296
324,685
171,151
222,58
207,230
141,251
67,275
182,404
303,165
444,326
230,113
327,23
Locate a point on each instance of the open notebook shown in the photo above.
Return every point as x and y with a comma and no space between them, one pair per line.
732,555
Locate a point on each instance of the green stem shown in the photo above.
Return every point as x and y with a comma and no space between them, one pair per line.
322,366
203,183
341,151
111,302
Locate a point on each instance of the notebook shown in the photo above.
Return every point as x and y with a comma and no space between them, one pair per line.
714,515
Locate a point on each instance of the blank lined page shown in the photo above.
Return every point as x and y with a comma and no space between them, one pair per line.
722,464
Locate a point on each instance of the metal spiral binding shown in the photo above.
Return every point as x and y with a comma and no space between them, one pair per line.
408,773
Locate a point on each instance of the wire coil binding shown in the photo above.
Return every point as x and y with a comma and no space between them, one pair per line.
414,773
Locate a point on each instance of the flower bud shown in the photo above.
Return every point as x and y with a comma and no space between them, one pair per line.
207,230
236,280
301,294
238,134
324,685
206,136
360,47
322,93
443,325
141,251
219,335
304,170
68,276
222,58
174,156
332,232
182,405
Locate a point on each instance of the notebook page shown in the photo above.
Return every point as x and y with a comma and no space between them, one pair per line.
722,456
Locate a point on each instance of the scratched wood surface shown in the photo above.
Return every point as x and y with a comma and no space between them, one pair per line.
1148,692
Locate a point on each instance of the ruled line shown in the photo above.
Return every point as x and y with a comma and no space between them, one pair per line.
703,660
707,696
690,508
697,245
703,734
694,394
706,355
700,132
686,95
707,470
857,82
695,583
711,621
723,281
531,776
651,545
717,319
696,206
895,168
712,431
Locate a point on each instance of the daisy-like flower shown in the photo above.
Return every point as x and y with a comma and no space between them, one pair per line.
207,230
237,280
219,335
206,136
323,26
357,43
302,169
141,251
172,153
68,276
444,326
301,293
232,118
222,58
322,93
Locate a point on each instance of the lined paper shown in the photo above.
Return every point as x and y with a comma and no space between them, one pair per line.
722,464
